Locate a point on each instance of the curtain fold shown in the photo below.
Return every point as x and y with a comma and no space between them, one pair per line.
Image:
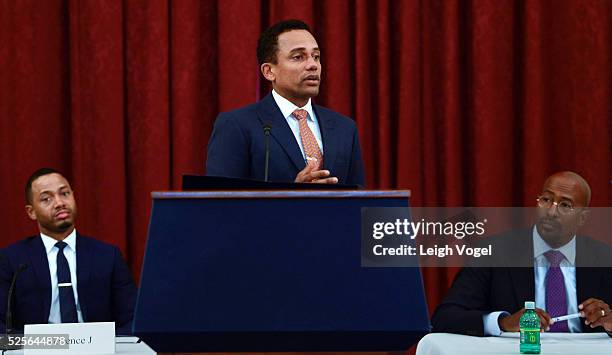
466,103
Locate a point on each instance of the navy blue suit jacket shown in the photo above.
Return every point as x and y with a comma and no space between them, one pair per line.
237,145
105,286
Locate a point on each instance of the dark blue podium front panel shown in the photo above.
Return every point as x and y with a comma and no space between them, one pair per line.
231,273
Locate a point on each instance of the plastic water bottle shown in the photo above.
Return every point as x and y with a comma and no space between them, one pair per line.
530,330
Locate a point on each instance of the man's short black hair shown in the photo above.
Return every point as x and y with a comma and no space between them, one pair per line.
267,45
35,175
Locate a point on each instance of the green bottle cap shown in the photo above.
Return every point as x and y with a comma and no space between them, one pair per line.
529,305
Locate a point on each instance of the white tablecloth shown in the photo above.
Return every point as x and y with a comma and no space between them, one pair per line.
508,343
139,349
122,347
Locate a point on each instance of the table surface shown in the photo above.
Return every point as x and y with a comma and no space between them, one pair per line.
125,348
135,348
508,343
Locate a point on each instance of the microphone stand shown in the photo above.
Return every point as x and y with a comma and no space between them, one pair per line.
4,343
267,128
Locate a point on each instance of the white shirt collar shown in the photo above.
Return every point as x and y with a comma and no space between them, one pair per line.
50,242
540,247
287,107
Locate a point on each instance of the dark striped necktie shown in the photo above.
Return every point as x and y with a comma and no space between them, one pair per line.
66,295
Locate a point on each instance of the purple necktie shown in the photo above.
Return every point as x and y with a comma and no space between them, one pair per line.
556,296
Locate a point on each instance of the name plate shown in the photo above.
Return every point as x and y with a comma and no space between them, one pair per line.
69,338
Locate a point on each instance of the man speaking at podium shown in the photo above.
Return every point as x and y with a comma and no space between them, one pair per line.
60,275
489,300
304,142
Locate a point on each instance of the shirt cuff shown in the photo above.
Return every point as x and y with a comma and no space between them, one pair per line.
491,325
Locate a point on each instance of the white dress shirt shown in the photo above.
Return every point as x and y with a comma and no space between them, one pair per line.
287,107
541,265
55,315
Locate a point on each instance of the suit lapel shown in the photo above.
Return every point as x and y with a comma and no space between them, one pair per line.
269,113
84,258
328,136
586,282
523,278
587,278
40,266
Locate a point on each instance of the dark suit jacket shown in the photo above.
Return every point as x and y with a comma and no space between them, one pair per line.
237,145
105,286
477,291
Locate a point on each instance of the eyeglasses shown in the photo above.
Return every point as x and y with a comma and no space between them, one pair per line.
564,207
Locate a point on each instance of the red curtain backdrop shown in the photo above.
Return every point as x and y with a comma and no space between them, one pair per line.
466,103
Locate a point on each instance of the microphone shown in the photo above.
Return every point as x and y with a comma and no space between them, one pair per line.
267,128
9,312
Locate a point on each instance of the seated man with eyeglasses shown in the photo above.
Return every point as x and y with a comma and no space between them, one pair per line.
485,301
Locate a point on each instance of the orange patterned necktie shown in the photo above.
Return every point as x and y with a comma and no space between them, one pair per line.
309,142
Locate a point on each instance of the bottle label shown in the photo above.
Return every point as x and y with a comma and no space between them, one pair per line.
529,336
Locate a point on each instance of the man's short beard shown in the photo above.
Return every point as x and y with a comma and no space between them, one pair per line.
64,226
